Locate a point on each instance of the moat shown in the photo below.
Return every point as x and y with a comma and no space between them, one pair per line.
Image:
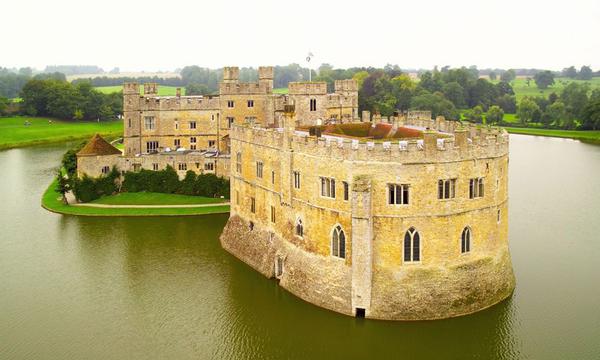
102,288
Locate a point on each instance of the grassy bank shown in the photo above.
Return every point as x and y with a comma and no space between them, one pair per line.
585,136
51,200
149,198
13,132
163,90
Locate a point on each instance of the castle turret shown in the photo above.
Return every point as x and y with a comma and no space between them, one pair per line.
131,117
265,78
231,74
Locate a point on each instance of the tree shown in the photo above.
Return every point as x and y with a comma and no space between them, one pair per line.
436,103
543,79
360,77
585,73
554,114
63,186
493,76
527,109
507,103
570,72
591,116
455,93
494,115
575,98
508,75
196,89
3,105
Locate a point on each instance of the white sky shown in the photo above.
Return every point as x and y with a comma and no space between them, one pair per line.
163,35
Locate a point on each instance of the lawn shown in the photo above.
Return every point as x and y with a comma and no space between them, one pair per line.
13,132
163,90
51,200
280,91
521,89
591,136
149,198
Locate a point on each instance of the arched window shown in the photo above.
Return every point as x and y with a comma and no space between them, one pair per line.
412,245
338,242
465,240
299,228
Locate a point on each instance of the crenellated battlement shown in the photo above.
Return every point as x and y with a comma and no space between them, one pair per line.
307,88
160,103
252,88
348,85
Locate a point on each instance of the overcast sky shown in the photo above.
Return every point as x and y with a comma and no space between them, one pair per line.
164,35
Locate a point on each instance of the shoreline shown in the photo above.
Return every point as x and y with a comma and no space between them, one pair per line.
561,134
8,146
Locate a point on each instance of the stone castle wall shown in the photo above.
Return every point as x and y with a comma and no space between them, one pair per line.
373,276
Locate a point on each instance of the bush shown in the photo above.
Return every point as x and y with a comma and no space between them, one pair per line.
87,188
69,160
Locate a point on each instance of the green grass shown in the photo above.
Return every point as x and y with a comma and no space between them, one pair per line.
591,136
280,91
521,89
13,132
163,90
150,198
51,201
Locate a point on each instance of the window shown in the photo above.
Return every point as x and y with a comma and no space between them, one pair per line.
299,228
197,165
211,143
230,121
475,188
237,197
273,177
272,214
149,122
465,240
328,187
182,166
338,242
192,124
346,190
253,205
238,162
210,166
137,167
193,140
105,170
155,167
313,104
296,179
279,267
177,143
446,188
176,124
151,146
230,103
259,169
412,246
250,103
498,217
398,194
128,122
192,146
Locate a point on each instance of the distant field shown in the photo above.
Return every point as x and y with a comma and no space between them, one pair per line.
163,90
125,74
592,136
521,89
14,133
280,91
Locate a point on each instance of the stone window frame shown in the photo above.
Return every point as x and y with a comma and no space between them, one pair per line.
105,170
177,143
299,224
297,180
412,231
250,103
253,205
193,125
446,189
155,166
327,187
238,162
230,121
466,240
230,104
476,188
149,123
152,146
211,143
193,139
313,104
403,189
182,166
209,166
338,242
346,188
273,214
259,169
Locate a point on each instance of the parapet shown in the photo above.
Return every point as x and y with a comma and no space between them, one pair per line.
307,88
348,85
150,89
265,73
231,74
131,88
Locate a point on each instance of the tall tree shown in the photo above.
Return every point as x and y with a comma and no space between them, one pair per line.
585,73
527,110
544,79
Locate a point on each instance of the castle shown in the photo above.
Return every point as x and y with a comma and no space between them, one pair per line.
400,218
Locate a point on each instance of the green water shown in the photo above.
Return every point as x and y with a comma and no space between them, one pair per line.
162,288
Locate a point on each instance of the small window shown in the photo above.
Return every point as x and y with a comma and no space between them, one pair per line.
137,167
182,166
192,124
412,245
465,240
272,214
230,120
193,140
398,194
273,177
328,187
237,197
446,188
238,162
197,165
176,125
230,103
155,166
211,143
338,242
475,188
313,104
250,103
279,267
296,179
128,122
192,146
149,122
210,166
346,190
498,217
177,143
299,228
259,169
151,146
105,170
253,205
